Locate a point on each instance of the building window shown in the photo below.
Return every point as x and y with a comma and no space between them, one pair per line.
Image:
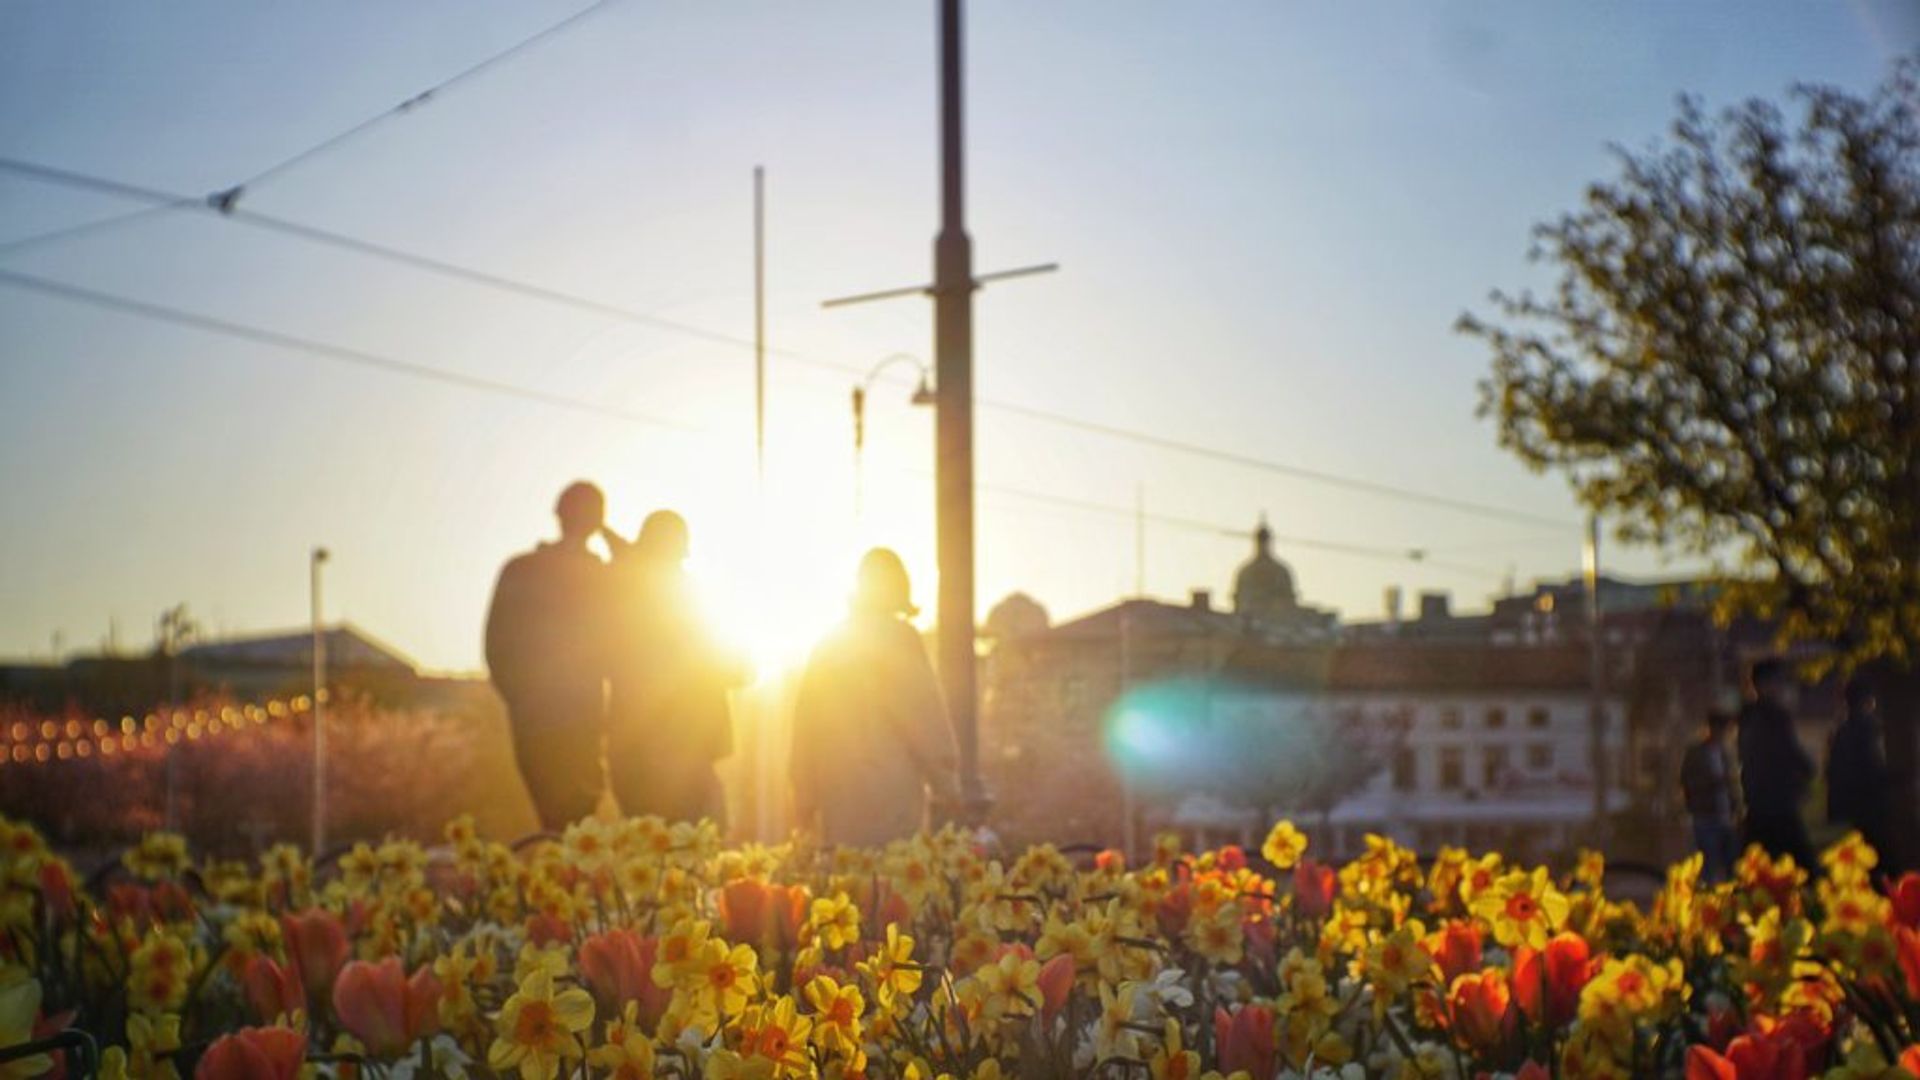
1493,766
1540,757
1406,769
1538,717
1496,718
1453,768
1450,718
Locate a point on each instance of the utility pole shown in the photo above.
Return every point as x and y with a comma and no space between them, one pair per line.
1139,540
1596,682
318,841
952,291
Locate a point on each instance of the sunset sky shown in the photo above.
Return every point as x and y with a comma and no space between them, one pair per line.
1268,216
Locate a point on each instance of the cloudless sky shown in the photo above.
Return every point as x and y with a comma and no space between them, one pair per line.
1268,217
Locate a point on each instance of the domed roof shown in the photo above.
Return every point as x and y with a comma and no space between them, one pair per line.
1264,586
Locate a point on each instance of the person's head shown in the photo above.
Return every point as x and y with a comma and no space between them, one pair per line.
1861,700
663,538
582,509
882,586
1769,680
1719,721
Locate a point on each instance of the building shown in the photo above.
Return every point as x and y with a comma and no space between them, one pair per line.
1145,715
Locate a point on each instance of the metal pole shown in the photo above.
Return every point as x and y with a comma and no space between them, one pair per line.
759,322
318,841
1597,681
953,287
859,454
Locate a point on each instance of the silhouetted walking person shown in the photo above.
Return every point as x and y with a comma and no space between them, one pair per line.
1707,782
669,722
546,653
1857,777
871,739
1775,770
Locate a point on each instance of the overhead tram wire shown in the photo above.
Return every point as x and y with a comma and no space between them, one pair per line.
340,353
531,290
259,335
1216,529
227,199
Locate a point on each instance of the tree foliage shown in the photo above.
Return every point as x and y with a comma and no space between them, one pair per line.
1729,361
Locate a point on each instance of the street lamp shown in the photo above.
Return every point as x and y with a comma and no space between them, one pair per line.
922,395
319,837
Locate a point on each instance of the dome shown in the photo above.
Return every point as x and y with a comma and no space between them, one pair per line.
1016,616
1264,586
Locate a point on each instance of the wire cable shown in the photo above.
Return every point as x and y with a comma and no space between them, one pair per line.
530,290
260,335
277,339
227,198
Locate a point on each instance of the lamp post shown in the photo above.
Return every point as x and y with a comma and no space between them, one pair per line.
319,838
922,395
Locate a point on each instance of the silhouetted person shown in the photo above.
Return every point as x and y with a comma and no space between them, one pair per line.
1857,777
546,653
669,721
1706,780
1775,770
871,740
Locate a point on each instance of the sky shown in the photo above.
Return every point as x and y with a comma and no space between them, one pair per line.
1267,215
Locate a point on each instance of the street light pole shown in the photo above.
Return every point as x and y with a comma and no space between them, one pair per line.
1597,682
318,840
952,291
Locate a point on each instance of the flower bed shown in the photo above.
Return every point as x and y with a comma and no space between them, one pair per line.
637,948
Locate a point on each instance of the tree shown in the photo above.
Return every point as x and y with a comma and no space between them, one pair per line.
1730,363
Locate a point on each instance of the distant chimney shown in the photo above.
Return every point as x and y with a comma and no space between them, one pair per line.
1202,600
1393,605
1434,605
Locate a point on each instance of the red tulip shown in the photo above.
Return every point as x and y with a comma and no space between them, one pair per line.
273,990
271,1053
1560,971
618,967
1231,857
317,946
1910,1059
1056,980
1704,1064
383,1008
547,929
1532,1070
1313,888
56,888
1245,1039
1175,908
1907,943
1480,1009
1455,948
1905,894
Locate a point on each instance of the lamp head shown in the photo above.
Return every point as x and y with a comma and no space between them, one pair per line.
923,394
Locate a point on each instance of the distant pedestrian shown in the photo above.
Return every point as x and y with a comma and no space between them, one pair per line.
546,653
871,739
1707,782
669,720
1857,776
1775,771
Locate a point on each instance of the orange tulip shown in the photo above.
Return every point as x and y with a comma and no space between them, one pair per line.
271,1053
1455,949
273,989
1480,1009
317,946
1704,1064
1245,1039
1056,980
384,1009
1556,973
1910,1059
